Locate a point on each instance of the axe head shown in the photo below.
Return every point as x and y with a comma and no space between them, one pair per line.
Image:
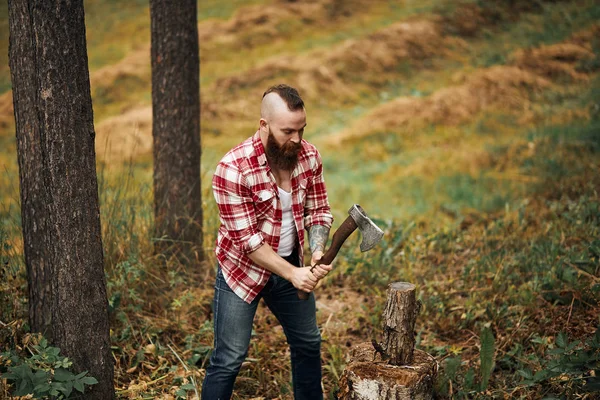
371,234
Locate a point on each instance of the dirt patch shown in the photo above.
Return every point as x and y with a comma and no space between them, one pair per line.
334,305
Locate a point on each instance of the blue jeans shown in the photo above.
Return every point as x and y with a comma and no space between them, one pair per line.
233,319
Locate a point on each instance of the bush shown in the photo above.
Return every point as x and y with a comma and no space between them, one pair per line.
44,374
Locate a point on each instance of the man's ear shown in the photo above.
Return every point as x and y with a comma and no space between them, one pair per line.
263,124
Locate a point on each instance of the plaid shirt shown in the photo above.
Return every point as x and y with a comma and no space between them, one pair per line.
250,210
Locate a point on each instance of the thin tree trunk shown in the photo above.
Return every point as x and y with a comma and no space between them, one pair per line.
176,127
55,137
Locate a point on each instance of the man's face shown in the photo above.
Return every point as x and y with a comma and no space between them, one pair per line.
284,139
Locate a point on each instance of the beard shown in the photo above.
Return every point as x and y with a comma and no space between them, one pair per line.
283,157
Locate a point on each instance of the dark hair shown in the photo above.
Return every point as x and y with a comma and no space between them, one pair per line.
289,95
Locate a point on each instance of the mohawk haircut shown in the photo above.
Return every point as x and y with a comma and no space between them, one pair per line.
289,95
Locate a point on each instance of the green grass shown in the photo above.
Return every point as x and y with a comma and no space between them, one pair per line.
557,21
224,9
5,84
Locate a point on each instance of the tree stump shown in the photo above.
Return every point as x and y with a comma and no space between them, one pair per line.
393,369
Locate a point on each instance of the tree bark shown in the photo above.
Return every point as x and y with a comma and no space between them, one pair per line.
399,319
176,128
59,190
34,210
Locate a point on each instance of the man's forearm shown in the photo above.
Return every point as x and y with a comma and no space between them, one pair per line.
301,278
266,257
318,237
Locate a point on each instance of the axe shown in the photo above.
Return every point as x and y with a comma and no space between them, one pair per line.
357,219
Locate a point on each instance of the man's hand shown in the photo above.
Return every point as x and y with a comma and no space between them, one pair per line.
320,271
303,279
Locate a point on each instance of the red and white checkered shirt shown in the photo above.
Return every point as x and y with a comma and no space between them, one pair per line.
250,210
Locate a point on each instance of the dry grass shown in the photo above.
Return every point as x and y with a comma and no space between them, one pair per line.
376,56
125,136
500,86
557,61
256,25
136,63
509,88
7,115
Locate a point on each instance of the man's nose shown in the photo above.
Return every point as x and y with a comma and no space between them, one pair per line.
295,138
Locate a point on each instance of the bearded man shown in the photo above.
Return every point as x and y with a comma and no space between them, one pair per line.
269,189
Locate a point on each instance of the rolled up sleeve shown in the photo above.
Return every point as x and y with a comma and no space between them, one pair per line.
236,208
316,209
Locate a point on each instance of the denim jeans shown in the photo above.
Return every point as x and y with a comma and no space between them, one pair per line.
233,319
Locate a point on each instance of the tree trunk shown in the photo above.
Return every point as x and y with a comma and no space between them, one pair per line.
392,370
34,210
55,138
176,128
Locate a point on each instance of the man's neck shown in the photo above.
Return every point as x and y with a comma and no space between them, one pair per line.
283,178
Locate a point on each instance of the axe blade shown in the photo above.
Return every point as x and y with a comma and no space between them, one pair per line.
371,233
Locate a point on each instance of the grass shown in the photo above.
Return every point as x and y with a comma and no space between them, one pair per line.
222,59
555,22
5,84
223,9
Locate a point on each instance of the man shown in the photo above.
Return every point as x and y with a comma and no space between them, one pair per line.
269,189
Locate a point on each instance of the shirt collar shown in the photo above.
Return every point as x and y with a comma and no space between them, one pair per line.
259,149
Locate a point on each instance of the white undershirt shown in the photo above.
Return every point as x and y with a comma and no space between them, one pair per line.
287,239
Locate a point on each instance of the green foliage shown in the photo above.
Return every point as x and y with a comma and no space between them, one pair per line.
465,191
449,370
125,211
336,363
44,374
463,383
486,356
183,390
569,366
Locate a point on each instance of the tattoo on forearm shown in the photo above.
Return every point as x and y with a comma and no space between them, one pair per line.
318,237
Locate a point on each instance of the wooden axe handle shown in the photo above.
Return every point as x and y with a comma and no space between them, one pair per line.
340,236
